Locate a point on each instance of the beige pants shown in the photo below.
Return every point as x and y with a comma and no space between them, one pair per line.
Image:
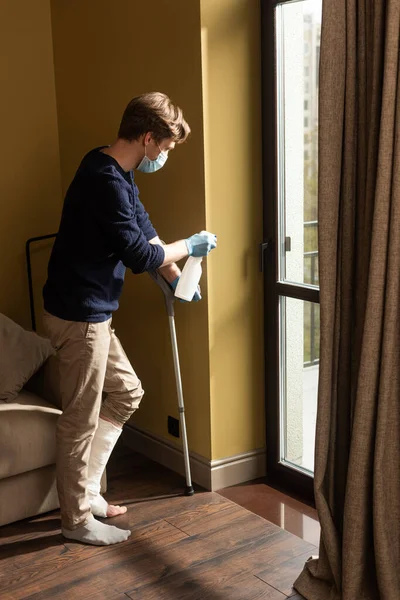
95,378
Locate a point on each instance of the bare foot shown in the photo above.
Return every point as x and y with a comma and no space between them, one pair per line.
100,508
113,511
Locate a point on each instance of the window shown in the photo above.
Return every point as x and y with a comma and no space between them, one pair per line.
297,24
291,227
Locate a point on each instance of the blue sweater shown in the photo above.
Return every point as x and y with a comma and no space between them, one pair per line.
104,229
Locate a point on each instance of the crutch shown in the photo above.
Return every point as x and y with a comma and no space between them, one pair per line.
169,302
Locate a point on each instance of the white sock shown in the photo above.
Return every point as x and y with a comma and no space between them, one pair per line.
103,442
97,533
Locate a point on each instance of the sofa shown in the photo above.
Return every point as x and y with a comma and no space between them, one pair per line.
27,451
29,409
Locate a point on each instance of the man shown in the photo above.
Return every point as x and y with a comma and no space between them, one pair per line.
105,229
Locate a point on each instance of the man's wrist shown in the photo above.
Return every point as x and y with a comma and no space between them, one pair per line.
189,246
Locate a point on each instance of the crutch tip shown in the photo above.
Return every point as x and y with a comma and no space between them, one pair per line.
189,491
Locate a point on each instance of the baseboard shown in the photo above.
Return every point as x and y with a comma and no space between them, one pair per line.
212,475
238,469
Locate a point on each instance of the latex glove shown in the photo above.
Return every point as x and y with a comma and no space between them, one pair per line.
201,244
197,294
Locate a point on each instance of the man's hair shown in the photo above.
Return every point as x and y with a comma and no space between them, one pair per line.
155,113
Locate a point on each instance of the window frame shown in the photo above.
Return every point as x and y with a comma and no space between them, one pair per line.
290,480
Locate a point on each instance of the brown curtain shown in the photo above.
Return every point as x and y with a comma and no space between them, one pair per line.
357,469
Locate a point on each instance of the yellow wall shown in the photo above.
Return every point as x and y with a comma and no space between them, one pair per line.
30,189
105,53
231,85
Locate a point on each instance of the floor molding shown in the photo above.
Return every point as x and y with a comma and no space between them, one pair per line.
211,474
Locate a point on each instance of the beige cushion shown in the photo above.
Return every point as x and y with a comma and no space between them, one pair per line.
22,353
27,434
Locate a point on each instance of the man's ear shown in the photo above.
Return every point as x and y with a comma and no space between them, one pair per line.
147,138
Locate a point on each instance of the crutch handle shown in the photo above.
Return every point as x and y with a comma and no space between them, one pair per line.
167,291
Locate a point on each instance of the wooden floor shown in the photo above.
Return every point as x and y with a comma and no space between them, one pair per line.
284,511
204,547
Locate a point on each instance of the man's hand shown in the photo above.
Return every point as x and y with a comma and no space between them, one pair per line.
199,244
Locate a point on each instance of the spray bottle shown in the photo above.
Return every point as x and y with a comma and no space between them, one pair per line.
189,280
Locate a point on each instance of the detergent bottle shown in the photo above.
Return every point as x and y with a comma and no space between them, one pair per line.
189,280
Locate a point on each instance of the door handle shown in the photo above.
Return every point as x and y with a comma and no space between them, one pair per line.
263,248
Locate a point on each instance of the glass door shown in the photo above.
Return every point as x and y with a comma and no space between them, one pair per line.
290,55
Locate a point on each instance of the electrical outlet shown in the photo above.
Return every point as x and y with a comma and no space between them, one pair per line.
173,426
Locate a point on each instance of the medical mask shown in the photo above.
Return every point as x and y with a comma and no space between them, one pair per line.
151,166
